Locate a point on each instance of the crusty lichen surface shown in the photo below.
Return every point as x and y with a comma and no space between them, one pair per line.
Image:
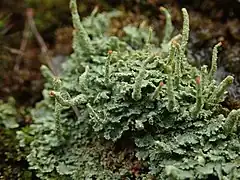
112,90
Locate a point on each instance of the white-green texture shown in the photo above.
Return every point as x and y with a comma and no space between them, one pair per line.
164,113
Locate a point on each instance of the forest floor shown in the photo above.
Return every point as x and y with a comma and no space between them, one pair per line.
34,33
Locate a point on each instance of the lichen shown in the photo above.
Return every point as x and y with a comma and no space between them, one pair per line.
112,91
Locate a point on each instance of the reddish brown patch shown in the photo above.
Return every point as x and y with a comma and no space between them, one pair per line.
220,43
135,170
30,12
198,80
51,93
110,52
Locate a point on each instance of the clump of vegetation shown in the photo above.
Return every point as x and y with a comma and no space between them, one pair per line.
8,116
132,109
12,164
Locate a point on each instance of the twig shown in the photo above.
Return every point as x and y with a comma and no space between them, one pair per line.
26,35
44,49
14,51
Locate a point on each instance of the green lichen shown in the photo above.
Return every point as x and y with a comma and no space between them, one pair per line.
8,114
119,96
12,159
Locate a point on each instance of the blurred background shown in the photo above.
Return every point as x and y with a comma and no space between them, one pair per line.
34,32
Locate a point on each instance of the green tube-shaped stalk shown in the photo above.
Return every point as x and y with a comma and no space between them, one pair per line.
137,92
183,44
80,35
214,61
168,27
217,95
93,112
232,121
170,91
185,32
172,54
57,114
199,98
155,94
79,99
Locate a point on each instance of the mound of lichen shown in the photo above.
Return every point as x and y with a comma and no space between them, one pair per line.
131,108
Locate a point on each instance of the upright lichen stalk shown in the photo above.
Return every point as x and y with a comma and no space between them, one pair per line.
175,131
199,98
170,91
214,61
137,93
80,32
168,27
183,45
